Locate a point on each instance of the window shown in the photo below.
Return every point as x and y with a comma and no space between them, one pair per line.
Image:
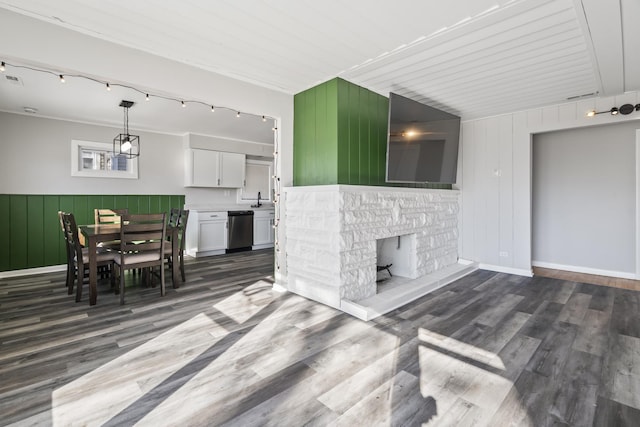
96,159
257,179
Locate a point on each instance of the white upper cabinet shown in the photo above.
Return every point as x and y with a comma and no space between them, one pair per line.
206,168
232,169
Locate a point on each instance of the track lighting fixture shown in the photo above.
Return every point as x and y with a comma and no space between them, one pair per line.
614,111
107,85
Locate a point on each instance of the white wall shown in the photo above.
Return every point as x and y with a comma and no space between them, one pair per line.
496,177
36,159
584,199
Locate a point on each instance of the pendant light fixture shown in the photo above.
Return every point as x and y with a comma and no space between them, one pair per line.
126,144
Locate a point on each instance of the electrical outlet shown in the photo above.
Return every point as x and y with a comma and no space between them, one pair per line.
227,193
504,254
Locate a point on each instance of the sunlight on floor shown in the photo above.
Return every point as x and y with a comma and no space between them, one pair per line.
459,377
109,389
242,306
465,350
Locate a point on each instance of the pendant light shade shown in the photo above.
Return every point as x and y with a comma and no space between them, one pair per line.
125,144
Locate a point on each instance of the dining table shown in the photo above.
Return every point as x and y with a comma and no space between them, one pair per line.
92,235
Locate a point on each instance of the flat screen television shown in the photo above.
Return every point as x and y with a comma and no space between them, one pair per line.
422,144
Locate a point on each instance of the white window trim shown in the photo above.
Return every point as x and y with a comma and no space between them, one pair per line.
76,164
240,194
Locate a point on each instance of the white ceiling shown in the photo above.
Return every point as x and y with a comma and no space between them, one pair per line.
474,58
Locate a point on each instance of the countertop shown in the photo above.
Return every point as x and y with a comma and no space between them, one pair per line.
228,207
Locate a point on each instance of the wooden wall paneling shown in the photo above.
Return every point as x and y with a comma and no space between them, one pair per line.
323,159
18,231
469,195
505,139
550,115
354,134
521,192
54,252
480,177
35,231
132,204
568,112
492,196
364,136
5,231
81,210
343,115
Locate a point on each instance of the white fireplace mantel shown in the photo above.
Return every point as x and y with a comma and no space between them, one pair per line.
332,232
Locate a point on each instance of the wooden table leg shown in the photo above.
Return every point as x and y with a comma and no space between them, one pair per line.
93,273
175,265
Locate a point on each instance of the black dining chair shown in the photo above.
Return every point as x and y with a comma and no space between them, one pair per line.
78,257
142,239
181,225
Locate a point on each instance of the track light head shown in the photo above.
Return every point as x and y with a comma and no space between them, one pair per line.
614,111
2,66
626,109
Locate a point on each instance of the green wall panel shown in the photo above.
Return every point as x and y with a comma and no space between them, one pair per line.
33,229
340,136
337,133
5,230
18,230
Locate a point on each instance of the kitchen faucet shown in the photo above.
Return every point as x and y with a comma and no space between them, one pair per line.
259,204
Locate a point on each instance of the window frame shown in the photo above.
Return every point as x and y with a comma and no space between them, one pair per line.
77,146
241,191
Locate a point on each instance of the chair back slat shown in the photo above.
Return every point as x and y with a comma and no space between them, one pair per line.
182,227
109,216
174,216
141,233
71,234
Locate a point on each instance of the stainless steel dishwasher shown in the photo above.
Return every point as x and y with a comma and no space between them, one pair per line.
240,230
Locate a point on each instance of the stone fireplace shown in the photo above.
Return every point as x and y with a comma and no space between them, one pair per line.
337,236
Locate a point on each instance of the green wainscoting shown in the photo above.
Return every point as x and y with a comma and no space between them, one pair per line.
340,136
31,230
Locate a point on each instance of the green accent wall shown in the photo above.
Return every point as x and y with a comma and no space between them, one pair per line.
30,224
340,136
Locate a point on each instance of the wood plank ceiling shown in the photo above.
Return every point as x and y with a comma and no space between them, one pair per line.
475,58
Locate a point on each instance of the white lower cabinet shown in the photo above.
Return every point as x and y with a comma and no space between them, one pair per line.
207,233
263,232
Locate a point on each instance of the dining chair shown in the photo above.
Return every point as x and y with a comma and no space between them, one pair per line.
173,217
108,216
141,246
78,257
181,225
67,248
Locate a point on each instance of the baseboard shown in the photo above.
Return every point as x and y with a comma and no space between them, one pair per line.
507,270
586,270
32,271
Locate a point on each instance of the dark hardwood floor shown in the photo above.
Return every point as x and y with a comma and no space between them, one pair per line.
225,349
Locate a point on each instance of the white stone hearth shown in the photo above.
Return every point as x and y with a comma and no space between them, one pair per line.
332,233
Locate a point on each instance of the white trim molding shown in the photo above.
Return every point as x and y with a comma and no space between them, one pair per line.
585,270
78,169
33,271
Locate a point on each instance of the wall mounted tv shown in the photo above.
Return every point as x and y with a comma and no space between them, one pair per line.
422,144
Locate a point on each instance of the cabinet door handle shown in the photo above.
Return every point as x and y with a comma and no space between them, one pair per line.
213,216
218,181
